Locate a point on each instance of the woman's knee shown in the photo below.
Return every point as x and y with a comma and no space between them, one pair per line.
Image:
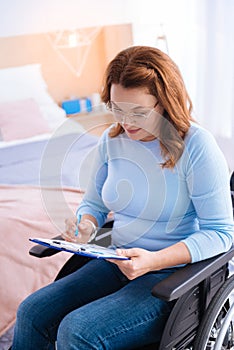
26,309
75,332
31,311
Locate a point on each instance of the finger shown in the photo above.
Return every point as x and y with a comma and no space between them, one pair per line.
82,226
85,228
69,232
71,221
128,252
64,236
70,227
70,239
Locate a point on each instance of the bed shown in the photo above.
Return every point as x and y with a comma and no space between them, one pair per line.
44,163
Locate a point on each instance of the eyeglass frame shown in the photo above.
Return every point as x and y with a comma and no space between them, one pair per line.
140,116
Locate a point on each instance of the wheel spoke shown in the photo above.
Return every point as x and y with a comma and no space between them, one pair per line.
224,328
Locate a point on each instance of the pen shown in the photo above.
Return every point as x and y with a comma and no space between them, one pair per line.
78,221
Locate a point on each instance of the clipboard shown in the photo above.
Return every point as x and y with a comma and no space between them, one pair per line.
89,250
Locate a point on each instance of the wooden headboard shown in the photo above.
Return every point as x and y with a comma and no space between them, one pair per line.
62,82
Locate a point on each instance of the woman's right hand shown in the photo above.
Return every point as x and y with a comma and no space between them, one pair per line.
84,230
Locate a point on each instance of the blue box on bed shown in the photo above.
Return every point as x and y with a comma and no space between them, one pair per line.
77,105
71,106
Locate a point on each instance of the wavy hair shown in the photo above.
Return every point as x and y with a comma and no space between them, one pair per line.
150,68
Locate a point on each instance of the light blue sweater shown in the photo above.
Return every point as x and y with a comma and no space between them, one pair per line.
154,207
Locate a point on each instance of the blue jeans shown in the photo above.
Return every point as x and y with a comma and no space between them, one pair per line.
96,307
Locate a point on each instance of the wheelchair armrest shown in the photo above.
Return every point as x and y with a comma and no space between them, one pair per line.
184,279
40,251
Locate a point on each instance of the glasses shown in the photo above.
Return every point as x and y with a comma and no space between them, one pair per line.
136,117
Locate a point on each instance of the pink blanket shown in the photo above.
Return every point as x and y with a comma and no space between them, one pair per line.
28,211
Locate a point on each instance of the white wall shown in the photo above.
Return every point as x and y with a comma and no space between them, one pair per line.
179,20
19,17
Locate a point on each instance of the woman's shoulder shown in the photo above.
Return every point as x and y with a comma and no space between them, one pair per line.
198,135
201,145
105,135
104,138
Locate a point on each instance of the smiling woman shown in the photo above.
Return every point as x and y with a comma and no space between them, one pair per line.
138,120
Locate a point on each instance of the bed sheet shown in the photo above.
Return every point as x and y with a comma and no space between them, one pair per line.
41,184
58,161
23,215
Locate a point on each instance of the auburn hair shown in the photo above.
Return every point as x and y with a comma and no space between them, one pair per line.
150,68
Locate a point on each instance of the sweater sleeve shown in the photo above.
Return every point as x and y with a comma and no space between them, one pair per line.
207,179
92,202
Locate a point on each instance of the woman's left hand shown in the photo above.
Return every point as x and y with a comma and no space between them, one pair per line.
140,262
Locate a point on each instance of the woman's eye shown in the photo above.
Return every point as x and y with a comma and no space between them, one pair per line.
138,115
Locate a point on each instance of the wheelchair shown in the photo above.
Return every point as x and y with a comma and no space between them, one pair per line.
201,294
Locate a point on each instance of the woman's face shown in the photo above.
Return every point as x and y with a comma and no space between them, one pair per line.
137,111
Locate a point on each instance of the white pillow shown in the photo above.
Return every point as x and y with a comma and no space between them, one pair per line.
24,82
20,83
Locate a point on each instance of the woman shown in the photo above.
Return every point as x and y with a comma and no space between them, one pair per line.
167,183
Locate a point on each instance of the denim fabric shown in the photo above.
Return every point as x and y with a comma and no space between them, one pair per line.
96,307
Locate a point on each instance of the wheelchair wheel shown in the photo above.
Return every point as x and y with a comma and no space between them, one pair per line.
216,329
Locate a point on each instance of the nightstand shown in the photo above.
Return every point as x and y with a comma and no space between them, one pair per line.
94,122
